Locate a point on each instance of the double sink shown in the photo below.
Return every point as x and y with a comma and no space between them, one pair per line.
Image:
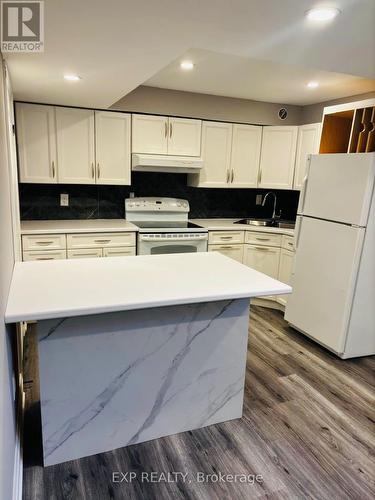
282,224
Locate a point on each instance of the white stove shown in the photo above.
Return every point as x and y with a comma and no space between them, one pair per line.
164,226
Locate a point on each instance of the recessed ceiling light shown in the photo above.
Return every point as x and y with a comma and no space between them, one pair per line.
72,78
312,85
322,14
186,65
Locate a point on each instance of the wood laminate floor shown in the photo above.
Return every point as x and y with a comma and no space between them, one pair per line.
307,429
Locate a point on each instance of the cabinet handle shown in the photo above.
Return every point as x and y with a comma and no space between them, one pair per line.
226,237
43,242
226,247
262,239
231,180
264,249
53,169
102,241
44,258
165,129
92,170
170,130
98,171
228,175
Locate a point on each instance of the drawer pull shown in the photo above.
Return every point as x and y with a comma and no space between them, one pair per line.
102,241
226,247
44,258
264,249
262,239
43,242
85,254
226,237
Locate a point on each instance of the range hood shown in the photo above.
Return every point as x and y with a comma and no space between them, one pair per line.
164,163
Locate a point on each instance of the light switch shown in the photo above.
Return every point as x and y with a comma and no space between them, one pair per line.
64,200
258,199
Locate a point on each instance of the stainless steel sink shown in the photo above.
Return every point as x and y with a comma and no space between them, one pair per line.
255,222
267,223
285,224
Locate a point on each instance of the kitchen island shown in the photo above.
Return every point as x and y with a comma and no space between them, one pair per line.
136,348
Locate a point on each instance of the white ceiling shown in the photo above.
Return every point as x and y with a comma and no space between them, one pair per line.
117,45
236,76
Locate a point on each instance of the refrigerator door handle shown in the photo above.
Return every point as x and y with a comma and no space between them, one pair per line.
301,205
297,232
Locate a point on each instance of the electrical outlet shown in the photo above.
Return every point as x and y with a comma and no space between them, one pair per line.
258,199
64,200
131,195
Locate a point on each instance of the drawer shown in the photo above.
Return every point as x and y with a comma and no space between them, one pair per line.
233,251
83,253
260,239
44,255
219,237
96,240
45,242
118,252
288,242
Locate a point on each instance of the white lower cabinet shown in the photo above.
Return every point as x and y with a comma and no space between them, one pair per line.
263,259
233,251
285,271
44,255
118,252
85,253
77,245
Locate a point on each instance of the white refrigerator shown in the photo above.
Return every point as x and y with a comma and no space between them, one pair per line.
333,279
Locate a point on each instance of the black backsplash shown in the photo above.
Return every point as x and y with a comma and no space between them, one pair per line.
42,201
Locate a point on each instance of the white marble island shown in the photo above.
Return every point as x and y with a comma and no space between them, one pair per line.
135,348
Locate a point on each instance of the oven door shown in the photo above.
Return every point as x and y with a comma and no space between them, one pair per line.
156,244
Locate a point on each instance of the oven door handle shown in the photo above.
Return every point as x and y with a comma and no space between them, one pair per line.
202,237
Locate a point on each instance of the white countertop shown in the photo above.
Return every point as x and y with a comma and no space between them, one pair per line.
76,226
229,224
63,288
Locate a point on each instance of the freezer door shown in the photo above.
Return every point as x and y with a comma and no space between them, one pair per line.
323,280
338,187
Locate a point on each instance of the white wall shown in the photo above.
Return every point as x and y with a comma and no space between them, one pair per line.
7,410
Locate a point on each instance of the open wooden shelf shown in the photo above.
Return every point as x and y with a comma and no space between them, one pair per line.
349,131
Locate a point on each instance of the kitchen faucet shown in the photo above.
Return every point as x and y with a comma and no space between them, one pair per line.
274,203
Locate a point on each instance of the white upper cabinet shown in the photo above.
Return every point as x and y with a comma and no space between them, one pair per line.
162,135
184,137
216,153
308,143
112,140
75,145
246,144
278,157
36,143
150,134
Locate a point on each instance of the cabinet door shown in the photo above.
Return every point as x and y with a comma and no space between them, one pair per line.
184,137
150,134
75,146
285,271
263,259
112,134
233,251
278,157
308,143
216,151
36,137
246,143
85,253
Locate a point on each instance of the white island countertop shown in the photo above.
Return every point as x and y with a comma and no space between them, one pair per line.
231,225
64,288
76,226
